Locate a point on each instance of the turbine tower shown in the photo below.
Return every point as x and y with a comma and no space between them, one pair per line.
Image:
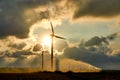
52,39
42,55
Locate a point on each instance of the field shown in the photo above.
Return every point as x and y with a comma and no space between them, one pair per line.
103,75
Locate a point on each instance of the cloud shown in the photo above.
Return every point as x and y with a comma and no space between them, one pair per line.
18,46
59,45
96,8
16,17
37,47
96,41
45,14
113,36
96,52
12,22
35,3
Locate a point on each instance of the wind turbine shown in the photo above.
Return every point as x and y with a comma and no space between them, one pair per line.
38,48
52,39
42,60
46,15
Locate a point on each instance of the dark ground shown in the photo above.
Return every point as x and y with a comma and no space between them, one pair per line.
103,75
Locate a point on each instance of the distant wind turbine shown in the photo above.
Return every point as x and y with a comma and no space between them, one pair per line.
42,60
52,36
38,48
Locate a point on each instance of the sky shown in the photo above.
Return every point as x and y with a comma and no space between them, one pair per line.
91,29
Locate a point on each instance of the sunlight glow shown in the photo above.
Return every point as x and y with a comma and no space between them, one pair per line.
46,41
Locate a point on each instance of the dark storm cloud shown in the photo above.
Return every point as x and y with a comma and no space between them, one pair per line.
96,41
13,21
97,8
37,47
44,14
113,36
96,52
19,46
19,53
93,56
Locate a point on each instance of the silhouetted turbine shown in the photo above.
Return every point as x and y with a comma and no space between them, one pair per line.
52,36
38,48
42,60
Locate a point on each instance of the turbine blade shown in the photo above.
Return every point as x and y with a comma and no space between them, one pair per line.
59,37
52,27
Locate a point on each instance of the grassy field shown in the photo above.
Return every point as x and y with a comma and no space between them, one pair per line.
19,70
103,75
